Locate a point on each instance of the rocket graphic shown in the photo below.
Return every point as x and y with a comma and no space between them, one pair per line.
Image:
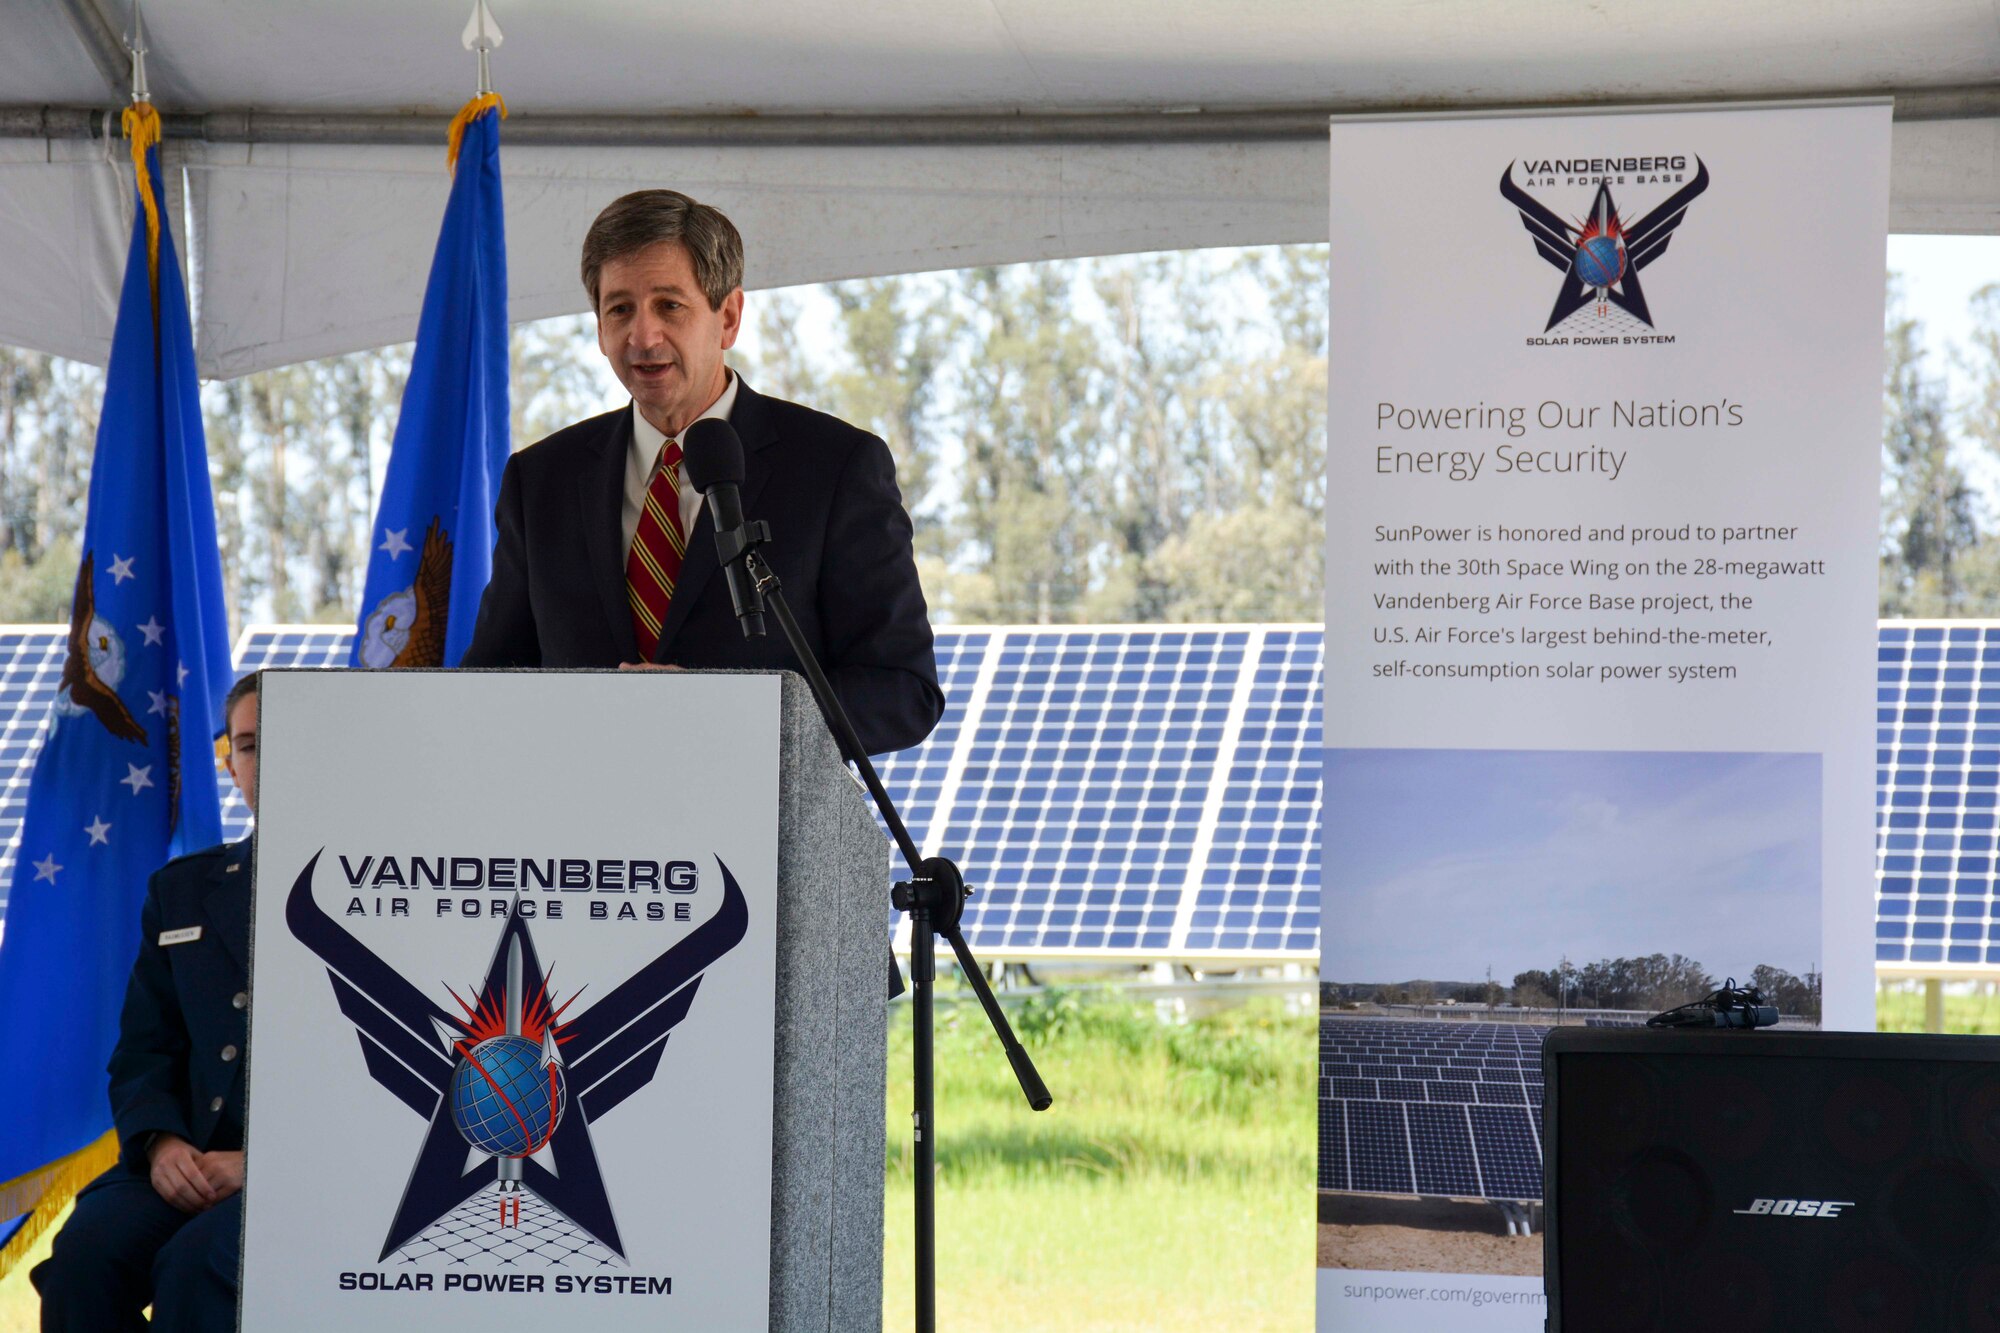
513,1006
510,1167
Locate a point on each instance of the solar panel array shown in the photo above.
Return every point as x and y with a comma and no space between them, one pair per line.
1427,1108
1050,887
1937,794
1142,792
268,646
31,659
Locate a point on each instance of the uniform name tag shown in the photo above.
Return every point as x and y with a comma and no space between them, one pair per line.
185,935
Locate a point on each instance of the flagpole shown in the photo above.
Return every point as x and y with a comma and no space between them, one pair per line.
143,678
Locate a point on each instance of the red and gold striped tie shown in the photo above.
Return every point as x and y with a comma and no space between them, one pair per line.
657,547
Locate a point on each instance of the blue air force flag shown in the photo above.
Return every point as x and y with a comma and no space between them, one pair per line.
126,774
433,536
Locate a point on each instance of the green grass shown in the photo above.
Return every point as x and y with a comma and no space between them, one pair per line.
1968,1007
1169,1188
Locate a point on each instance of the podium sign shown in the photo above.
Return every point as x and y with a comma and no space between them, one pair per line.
513,994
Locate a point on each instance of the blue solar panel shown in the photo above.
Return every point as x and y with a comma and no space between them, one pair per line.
1459,1101
1937,780
1510,1151
280,646
1332,1145
916,778
1378,1148
1255,839
1085,784
31,660
1134,792
265,646
1441,1145
1260,888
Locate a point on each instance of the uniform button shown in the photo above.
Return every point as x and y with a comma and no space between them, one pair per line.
228,1053
241,999
215,1105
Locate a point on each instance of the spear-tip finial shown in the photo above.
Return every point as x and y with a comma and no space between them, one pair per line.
483,35
135,42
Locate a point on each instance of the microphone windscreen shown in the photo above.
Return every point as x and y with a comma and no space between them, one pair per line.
712,454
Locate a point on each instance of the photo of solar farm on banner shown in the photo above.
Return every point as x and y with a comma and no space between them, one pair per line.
1579,887
1125,794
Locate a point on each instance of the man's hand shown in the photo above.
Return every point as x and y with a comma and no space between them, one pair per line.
178,1176
224,1172
649,666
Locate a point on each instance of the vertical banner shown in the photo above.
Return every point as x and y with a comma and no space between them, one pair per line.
1603,455
514,957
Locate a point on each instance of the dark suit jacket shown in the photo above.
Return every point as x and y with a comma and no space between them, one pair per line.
178,1065
840,544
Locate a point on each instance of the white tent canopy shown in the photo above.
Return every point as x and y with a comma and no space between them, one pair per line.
306,141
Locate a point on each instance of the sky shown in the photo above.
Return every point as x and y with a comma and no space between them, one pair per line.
1939,274
1442,863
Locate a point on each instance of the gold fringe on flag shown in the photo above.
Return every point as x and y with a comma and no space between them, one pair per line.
47,1190
465,116
142,127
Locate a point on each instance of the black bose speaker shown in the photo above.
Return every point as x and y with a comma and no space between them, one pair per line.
1746,1181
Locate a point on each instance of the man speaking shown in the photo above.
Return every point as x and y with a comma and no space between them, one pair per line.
605,553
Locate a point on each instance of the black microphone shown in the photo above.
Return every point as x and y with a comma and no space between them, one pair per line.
713,457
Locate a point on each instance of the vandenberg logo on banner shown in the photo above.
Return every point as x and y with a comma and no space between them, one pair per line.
1601,301
512,1083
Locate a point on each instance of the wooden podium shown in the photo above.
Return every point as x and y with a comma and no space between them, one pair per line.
567,1001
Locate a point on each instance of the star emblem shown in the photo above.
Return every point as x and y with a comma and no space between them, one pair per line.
45,869
181,677
1600,256
159,698
137,778
99,831
395,541
121,568
154,631
640,1013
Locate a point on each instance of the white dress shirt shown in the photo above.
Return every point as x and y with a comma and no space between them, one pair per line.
643,459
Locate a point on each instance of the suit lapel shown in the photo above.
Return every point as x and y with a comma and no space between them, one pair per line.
601,493
227,903
752,420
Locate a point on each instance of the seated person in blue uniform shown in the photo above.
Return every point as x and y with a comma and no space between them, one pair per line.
163,1226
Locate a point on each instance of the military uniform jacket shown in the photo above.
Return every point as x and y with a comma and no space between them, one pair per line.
178,1066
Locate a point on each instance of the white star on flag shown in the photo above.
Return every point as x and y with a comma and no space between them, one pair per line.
153,629
137,778
121,568
99,831
395,541
182,678
159,698
46,868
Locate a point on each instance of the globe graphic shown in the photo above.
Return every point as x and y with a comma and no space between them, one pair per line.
502,1098
1600,261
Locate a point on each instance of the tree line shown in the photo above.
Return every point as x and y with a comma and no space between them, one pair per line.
1130,439
1648,984
1940,553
